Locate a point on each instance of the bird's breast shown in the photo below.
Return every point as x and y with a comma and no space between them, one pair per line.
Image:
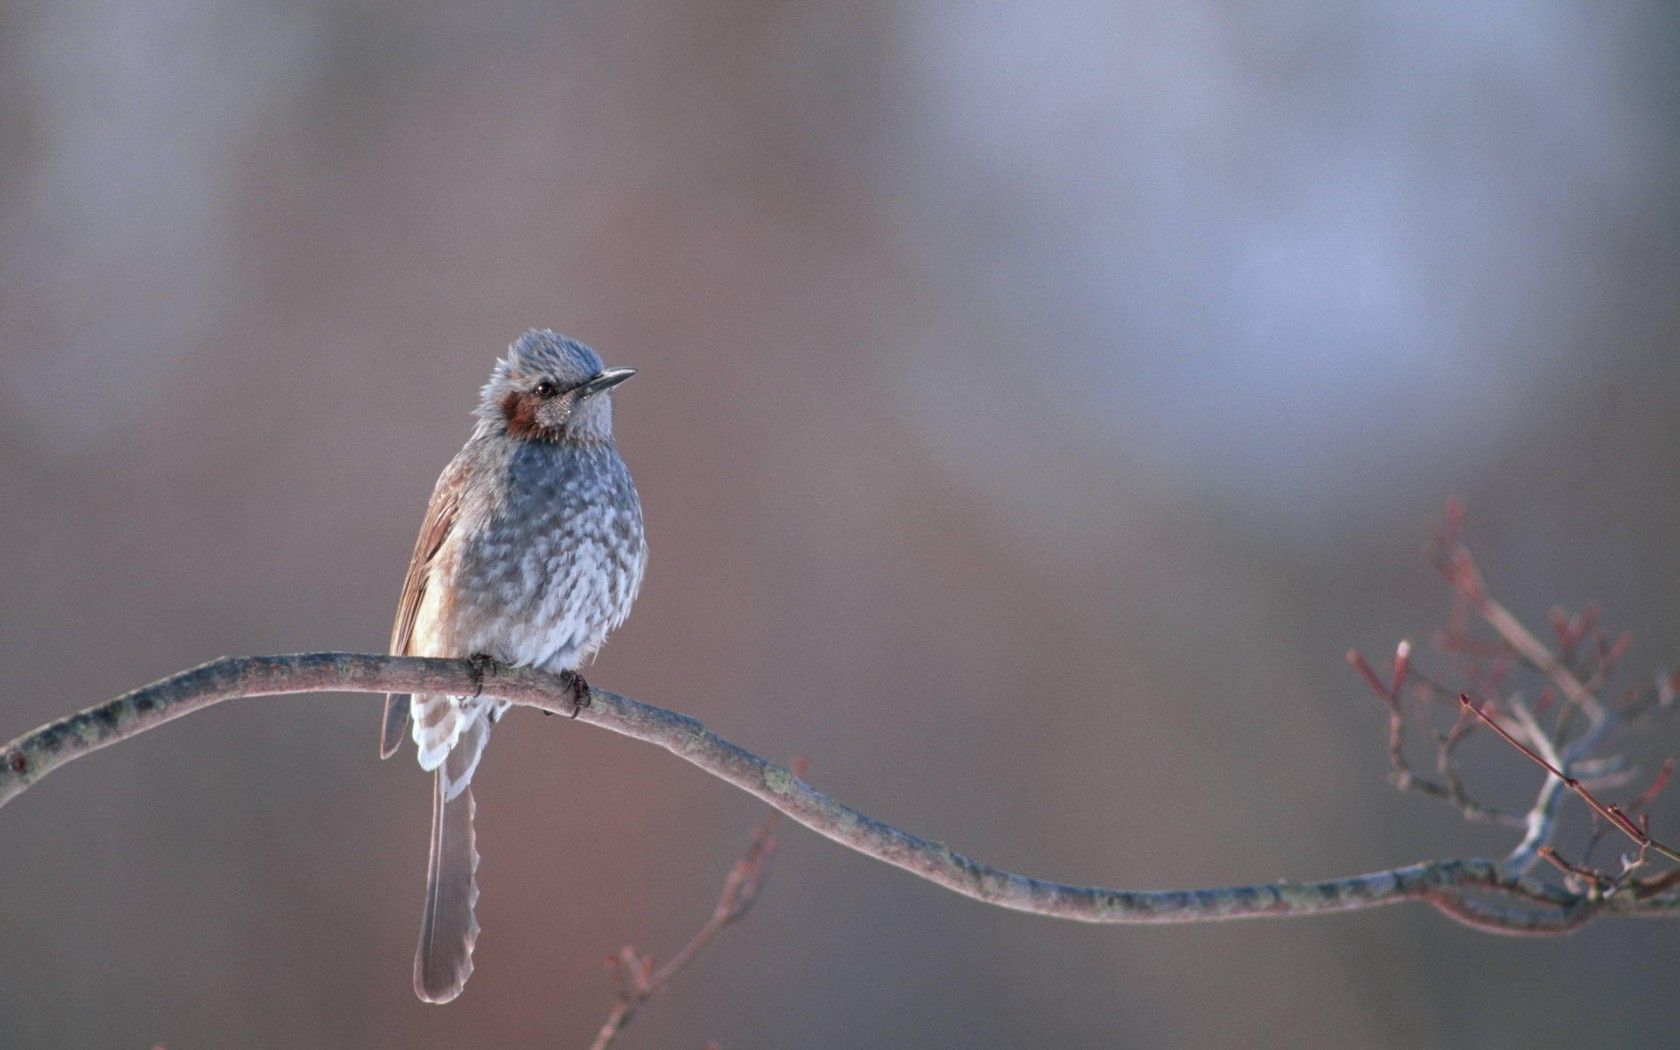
553,560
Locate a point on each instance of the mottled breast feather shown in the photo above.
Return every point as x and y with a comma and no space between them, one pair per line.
555,559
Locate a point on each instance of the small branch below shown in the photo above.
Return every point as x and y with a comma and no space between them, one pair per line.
634,973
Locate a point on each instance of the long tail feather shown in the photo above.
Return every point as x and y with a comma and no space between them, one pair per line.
448,930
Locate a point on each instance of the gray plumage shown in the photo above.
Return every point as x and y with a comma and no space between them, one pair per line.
530,553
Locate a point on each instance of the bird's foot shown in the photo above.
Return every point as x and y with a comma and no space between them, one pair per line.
579,688
480,666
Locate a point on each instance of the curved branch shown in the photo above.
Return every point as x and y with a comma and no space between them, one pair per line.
30,757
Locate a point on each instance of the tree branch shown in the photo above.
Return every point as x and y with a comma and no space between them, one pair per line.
25,760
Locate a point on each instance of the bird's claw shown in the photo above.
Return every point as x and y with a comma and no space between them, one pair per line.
579,688
480,666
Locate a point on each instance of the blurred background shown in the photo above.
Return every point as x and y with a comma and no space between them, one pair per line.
1036,402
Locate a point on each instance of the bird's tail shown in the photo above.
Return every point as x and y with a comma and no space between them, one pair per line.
448,929
450,733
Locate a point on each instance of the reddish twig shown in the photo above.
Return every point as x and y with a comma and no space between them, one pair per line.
1649,795
1390,693
1571,630
1453,561
634,973
1634,805
1596,882
1611,813
1450,787
1656,885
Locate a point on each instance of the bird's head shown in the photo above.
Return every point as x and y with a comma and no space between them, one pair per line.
551,388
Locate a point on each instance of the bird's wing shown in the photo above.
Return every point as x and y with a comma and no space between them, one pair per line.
434,531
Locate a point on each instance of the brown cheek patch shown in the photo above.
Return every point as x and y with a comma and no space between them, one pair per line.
520,411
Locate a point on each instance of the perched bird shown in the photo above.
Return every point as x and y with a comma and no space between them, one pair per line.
530,552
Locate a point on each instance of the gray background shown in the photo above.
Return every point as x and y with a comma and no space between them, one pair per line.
1037,400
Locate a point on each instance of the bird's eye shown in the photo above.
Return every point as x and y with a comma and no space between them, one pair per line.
546,389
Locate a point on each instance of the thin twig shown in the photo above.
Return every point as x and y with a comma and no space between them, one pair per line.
1611,813
24,761
634,973
1450,788
1634,805
1598,882
1455,563
1658,782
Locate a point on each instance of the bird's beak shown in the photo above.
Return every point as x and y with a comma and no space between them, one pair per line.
608,379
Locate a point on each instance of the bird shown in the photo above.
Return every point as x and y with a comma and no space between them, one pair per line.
531,551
